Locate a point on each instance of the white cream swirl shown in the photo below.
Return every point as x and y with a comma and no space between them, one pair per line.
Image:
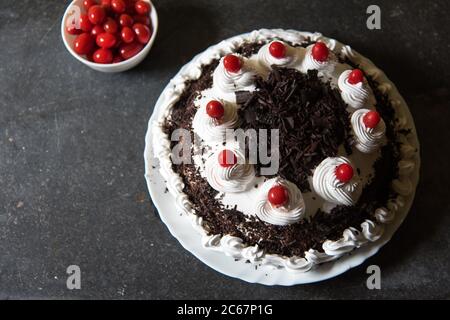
235,178
229,82
327,185
309,63
267,60
214,130
291,212
367,140
355,95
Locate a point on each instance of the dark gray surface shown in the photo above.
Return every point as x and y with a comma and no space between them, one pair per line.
72,189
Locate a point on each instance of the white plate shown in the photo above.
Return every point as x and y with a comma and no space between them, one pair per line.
181,228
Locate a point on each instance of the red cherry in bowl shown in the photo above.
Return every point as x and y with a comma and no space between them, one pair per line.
371,119
278,195
227,158
215,109
142,32
277,49
106,40
83,44
129,50
356,76
110,25
127,35
142,7
96,30
103,56
85,24
232,63
320,52
344,172
96,14
118,6
125,20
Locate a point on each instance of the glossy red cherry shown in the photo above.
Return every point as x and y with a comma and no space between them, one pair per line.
142,7
73,30
103,56
320,52
142,32
85,24
97,14
110,25
118,6
142,19
96,30
232,63
125,20
277,49
278,195
227,158
344,172
83,44
129,50
106,40
127,35
89,3
371,119
356,76
215,109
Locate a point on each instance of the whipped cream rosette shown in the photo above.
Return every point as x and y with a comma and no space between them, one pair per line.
211,126
355,90
335,181
227,171
277,53
368,129
232,74
280,203
319,57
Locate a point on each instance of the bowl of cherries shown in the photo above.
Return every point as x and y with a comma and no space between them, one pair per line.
109,35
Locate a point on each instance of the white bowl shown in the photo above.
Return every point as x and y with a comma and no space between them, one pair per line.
114,67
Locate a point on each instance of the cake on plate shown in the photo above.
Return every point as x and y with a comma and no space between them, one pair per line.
286,148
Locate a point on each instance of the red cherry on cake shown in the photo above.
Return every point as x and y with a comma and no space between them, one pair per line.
227,158
356,76
215,109
277,49
232,63
371,119
320,52
344,172
278,195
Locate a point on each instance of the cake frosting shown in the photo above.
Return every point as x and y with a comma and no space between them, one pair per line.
355,95
214,130
234,178
367,140
292,212
328,186
239,177
266,59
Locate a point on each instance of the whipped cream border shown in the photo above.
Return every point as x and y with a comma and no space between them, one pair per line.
232,246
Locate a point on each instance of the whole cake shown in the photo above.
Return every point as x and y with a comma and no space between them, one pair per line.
286,148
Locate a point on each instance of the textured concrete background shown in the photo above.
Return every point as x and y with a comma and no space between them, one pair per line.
72,189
